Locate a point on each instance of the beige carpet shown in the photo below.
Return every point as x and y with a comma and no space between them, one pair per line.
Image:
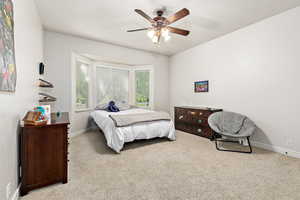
187,169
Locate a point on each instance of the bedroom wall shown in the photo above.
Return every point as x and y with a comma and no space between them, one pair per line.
57,50
254,71
29,51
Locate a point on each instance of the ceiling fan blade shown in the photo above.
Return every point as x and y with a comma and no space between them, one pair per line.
178,31
177,16
140,12
140,29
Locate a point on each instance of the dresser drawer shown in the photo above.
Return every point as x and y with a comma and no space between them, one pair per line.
181,115
193,118
200,121
201,131
196,130
199,113
180,111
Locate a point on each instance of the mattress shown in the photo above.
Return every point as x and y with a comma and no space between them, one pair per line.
116,137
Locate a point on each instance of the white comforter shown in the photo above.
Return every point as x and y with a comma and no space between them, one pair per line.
116,137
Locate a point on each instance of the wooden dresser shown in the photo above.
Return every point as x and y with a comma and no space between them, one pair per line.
44,154
194,120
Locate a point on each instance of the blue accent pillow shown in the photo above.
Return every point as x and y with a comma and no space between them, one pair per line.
112,107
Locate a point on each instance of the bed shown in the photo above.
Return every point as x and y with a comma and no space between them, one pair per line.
116,137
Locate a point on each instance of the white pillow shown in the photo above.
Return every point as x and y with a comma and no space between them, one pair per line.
123,106
101,106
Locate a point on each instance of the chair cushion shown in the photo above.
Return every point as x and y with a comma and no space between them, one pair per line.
231,124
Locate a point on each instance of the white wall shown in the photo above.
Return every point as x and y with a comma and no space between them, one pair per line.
254,71
58,49
29,52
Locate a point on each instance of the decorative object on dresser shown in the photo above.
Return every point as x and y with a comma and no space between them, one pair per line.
33,118
194,120
44,153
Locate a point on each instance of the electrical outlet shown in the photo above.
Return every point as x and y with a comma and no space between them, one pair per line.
8,190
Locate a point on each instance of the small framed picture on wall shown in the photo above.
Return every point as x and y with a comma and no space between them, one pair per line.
201,86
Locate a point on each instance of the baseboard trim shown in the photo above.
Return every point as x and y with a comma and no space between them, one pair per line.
16,195
76,133
277,149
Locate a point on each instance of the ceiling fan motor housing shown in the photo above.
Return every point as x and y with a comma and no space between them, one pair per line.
160,20
160,13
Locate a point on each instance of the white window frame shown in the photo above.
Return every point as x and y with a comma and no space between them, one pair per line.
151,89
76,58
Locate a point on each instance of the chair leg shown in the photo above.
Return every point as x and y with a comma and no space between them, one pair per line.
250,148
215,136
229,150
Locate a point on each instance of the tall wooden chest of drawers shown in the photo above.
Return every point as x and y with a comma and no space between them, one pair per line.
44,154
194,120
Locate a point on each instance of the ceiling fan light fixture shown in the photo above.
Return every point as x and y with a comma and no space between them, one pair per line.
165,32
151,34
155,39
167,38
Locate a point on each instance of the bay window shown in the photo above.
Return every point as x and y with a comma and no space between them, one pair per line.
98,83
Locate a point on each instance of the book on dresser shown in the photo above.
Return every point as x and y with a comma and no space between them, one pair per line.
44,153
194,120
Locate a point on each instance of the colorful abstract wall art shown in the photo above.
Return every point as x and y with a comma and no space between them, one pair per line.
201,86
8,74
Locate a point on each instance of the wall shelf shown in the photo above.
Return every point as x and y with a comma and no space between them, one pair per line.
45,84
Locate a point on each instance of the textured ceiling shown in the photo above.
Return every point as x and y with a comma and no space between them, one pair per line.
108,20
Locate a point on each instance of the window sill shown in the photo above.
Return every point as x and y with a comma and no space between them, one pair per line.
146,108
83,110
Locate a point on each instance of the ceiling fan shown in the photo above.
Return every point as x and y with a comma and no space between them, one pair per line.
160,25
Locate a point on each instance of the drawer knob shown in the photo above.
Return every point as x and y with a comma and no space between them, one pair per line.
199,121
199,130
180,117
